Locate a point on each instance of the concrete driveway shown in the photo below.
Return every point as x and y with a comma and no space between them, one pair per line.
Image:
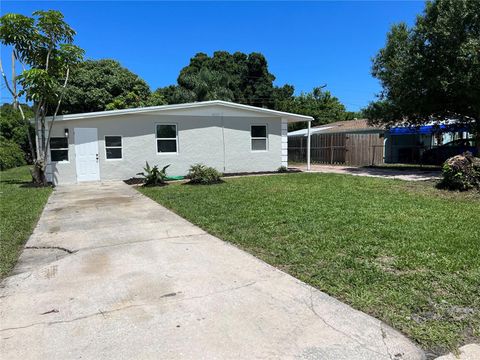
110,274
386,173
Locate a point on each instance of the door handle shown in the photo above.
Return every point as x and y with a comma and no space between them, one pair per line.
96,157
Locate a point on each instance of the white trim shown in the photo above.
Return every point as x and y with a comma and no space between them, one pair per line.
176,139
67,148
259,138
289,116
113,147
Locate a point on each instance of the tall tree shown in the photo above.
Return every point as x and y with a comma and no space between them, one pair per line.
98,85
234,77
43,44
431,72
245,79
319,104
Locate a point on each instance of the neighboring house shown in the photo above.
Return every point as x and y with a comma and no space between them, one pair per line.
114,145
407,144
355,142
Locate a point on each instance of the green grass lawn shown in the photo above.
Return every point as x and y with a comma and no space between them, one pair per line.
404,252
20,208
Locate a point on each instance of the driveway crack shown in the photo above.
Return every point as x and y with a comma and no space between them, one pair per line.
384,336
312,308
48,323
103,313
51,248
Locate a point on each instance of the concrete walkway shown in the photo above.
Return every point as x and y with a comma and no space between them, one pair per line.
110,274
467,352
408,175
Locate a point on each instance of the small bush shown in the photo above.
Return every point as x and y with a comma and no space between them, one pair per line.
153,176
204,175
282,169
11,155
461,172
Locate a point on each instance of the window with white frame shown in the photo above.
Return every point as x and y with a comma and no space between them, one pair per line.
167,138
59,149
259,137
113,147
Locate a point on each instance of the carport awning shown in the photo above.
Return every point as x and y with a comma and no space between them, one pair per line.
428,129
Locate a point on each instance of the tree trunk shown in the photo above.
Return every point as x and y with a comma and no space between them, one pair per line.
39,176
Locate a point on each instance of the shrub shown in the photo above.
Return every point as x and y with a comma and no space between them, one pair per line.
202,174
461,172
282,169
153,176
11,155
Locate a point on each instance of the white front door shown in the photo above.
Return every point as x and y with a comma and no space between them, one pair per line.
86,154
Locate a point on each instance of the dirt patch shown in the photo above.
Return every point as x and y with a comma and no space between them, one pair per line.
445,312
387,264
54,229
107,200
96,264
133,181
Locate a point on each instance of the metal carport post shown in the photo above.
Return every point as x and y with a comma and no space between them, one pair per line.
308,144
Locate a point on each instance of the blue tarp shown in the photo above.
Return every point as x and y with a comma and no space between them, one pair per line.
428,129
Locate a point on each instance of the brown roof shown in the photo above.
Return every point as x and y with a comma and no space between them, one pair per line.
349,125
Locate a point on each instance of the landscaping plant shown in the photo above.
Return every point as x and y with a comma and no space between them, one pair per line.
204,175
153,176
11,155
461,172
282,169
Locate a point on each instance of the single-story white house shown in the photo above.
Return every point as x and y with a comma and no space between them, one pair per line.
114,145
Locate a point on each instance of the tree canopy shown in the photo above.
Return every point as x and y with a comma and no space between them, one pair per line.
432,70
319,104
237,77
246,79
98,85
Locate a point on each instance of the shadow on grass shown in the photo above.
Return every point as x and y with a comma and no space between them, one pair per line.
219,182
406,167
15,182
23,183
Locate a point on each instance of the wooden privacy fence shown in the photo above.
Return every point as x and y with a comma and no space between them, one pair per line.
338,148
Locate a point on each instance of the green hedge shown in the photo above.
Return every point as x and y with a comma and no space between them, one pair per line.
11,155
461,172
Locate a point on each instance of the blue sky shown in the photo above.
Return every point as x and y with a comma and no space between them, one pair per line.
306,43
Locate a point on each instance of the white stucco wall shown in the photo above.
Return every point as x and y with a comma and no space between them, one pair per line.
219,140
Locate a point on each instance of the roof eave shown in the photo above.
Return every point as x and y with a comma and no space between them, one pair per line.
289,116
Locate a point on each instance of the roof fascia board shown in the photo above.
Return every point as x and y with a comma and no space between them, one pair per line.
289,116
